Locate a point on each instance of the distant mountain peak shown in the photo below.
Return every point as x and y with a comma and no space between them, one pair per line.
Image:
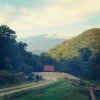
41,43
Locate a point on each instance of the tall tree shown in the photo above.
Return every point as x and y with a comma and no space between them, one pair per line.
7,40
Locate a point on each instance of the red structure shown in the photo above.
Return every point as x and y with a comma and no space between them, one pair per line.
48,68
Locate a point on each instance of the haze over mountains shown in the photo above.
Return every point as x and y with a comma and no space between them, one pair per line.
41,43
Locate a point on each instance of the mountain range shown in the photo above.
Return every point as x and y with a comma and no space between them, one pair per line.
40,43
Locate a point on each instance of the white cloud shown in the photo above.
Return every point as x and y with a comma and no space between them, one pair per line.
58,13
9,9
3,18
62,35
6,13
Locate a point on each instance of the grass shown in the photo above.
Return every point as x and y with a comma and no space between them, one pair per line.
61,91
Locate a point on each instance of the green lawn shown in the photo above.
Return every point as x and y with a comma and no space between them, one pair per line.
61,91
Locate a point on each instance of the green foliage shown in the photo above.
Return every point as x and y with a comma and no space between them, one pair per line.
70,48
60,90
80,55
14,56
25,69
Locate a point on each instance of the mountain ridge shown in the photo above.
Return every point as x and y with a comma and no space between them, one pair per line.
89,38
79,55
38,44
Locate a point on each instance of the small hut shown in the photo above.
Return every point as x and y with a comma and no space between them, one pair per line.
49,68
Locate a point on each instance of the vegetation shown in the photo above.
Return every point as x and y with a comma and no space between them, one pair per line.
79,55
15,61
60,90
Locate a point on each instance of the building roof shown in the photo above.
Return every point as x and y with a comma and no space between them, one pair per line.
49,68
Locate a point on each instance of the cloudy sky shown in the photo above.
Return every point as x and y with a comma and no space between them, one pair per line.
57,18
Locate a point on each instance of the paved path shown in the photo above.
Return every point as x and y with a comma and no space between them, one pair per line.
49,76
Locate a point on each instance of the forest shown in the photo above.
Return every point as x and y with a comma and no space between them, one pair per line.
15,59
78,56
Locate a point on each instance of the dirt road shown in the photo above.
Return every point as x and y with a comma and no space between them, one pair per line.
55,75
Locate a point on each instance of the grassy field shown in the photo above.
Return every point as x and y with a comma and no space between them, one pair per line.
60,91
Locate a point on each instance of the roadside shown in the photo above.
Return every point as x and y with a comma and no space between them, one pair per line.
49,76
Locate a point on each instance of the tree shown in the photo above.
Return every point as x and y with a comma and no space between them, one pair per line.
85,54
7,40
94,69
25,69
22,45
74,66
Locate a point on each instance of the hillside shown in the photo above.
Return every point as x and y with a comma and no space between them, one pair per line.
79,55
40,43
68,49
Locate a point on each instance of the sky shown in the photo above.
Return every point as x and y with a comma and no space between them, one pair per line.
57,18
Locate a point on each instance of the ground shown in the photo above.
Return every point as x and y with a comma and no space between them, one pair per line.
58,86
60,91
